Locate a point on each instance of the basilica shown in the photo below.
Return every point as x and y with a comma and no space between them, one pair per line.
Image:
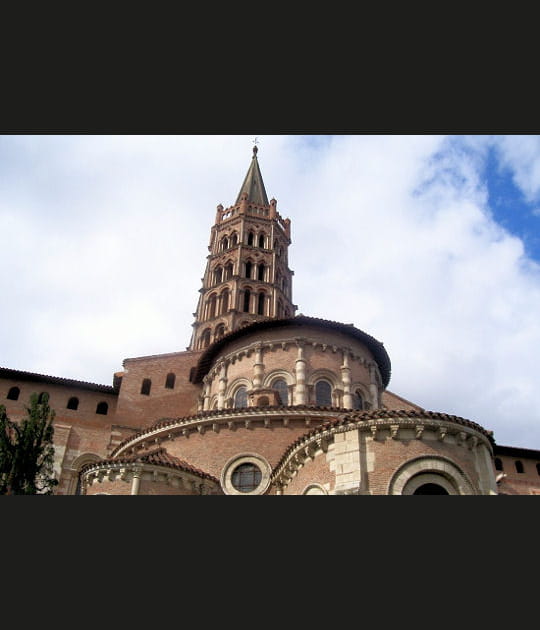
263,401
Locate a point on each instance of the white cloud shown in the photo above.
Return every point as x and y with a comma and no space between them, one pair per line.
105,242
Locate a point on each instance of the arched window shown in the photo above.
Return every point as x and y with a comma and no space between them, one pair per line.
519,467
102,408
224,244
13,393
240,398
212,306
220,331
228,271
234,239
260,272
498,464
205,338
247,298
225,301
262,240
358,401
280,386
251,238
249,267
323,394
43,397
73,403
260,304
538,468
145,387
218,275
170,380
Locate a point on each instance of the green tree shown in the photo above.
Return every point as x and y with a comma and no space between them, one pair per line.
27,451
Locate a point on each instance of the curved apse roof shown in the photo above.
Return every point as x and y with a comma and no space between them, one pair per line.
376,347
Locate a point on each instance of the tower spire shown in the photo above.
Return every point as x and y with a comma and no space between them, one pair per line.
247,276
253,183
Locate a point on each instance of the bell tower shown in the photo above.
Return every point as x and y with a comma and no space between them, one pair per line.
247,277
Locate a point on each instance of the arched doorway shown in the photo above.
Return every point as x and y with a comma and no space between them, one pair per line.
430,488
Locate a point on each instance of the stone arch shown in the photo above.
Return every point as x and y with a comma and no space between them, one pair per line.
314,488
364,392
81,460
275,374
235,386
429,469
324,374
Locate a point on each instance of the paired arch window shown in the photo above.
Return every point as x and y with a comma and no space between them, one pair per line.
260,303
224,243
170,380
247,298
218,275
228,271
240,398
234,239
262,241
14,393
102,408
73,403
251,239
225,301
260,272
249,267
212,306
205,338
220,331
323,394
146,386
280,386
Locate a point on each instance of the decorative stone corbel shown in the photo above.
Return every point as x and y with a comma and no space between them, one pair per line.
473,441
394,428
419,430
215,427
231,425
461,437
267,423
247,424
373,429
201,429
441,433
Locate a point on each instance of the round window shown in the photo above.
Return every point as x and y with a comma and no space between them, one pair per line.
246,477
246,474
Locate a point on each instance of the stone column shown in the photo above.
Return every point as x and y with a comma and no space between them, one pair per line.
136,481
373,389
346,381
222,386
206,394
258,368
300,397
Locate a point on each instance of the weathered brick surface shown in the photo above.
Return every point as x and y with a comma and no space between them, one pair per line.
210,451
315,471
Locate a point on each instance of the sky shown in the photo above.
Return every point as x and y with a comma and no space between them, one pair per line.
429,243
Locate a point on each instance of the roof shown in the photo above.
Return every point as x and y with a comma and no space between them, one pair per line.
157,457
253,184
19,375
515,451
376,347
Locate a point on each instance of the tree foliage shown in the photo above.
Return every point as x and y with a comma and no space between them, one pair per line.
27,451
